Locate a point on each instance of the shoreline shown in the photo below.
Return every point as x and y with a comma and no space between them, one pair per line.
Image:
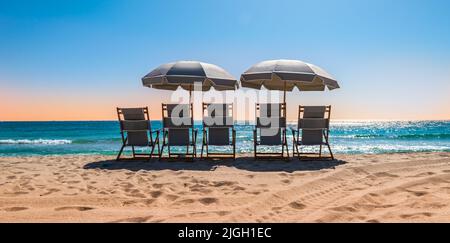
399,187
248,156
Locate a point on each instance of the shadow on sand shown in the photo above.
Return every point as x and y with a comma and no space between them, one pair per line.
248,164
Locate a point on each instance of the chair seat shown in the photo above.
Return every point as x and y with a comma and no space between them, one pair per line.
149,143
218,136
311,144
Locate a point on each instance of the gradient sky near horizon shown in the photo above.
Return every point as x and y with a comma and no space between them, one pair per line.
78,60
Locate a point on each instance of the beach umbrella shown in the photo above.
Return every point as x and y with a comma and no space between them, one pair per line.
284,75
186,74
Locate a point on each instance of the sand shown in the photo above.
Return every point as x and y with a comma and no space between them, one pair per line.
411,187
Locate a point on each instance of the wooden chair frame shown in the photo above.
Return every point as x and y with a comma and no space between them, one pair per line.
206,127
284,144
326,133
124,136
188,155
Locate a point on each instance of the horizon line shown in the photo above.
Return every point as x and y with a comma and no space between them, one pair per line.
237,121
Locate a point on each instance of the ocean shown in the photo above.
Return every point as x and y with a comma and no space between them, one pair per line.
103,137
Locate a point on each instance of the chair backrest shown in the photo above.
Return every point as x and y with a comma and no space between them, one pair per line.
218,115
314,122
135,122
271,123
271,115
177,116
218,119
178,120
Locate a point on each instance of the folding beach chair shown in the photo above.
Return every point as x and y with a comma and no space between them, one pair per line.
218,125
178,130
313,130
135,130
270,130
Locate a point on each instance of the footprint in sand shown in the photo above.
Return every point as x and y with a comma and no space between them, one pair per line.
171,197
14,209
157,186
77,208
385,174
136,193
11,177
222,183
50,191
238,188
283,174
286,181
425,174
223,213
297,205
18,193
372,221
208,200
254,192
144,202
134,220
186,201
156,194
418,193
345,209
416,215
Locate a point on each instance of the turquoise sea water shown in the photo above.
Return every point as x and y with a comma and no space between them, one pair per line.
103,137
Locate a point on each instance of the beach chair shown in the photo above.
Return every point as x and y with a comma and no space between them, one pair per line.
313,130
178,130
270,130
218,129
135,130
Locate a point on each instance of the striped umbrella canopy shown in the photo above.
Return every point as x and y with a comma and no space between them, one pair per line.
284,75
186,74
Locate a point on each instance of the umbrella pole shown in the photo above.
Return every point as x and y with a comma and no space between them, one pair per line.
190,94
284,95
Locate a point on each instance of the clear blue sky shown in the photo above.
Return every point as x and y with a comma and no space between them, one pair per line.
392,57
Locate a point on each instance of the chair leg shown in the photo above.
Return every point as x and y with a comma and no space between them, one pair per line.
163,145
201,151
296,150
120,152
234,151
287,146
195,150
331,153
151,152
159,150
187,149
287,151
162,151
320,151
293,147
168,149
134,154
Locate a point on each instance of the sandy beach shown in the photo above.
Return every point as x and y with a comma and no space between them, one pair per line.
412,187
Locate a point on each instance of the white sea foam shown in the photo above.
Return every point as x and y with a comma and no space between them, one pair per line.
36,141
